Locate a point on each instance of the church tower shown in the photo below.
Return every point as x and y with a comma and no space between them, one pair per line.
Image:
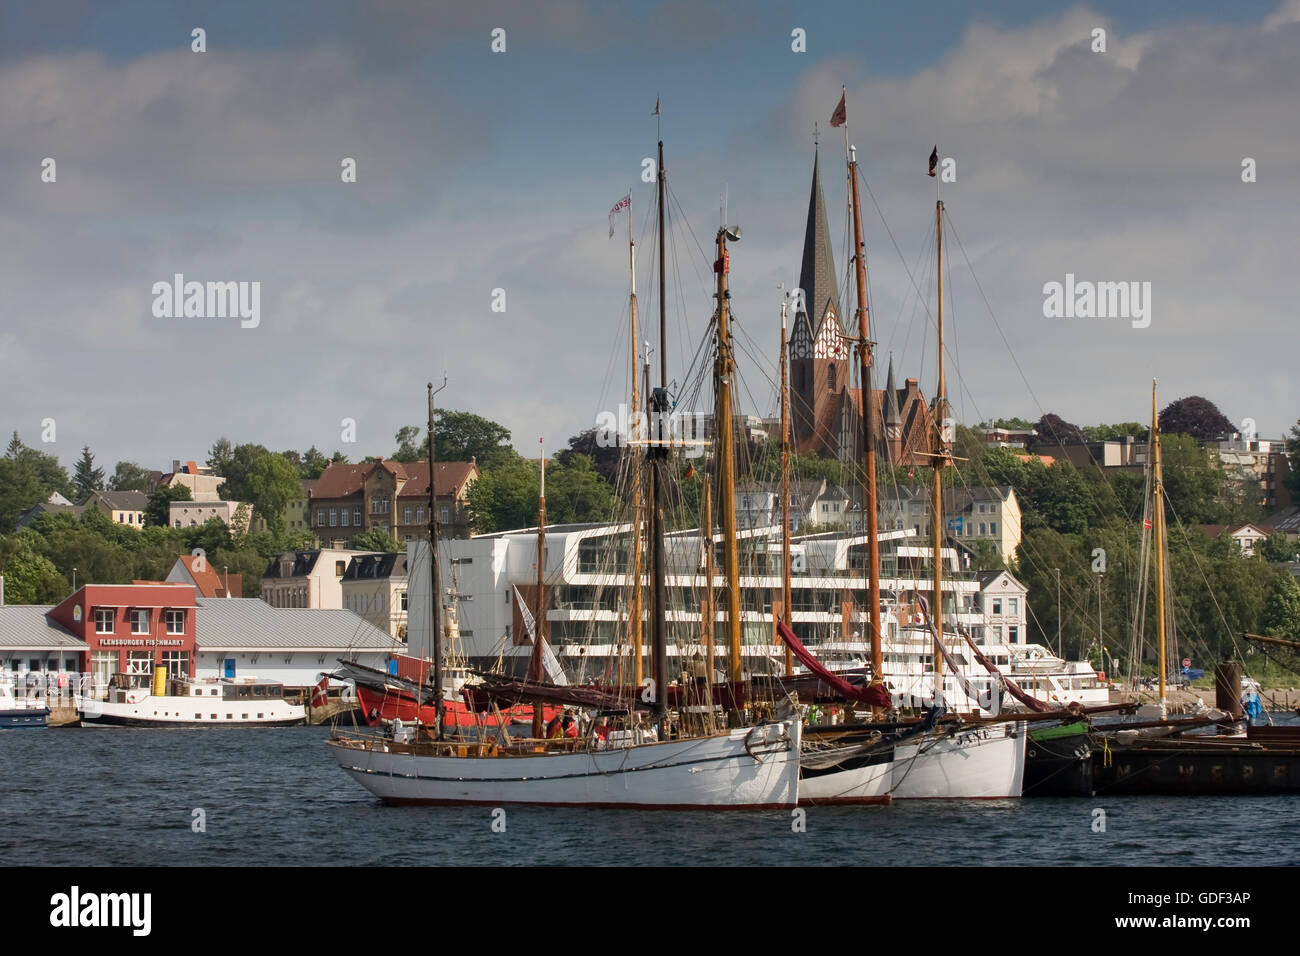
819,351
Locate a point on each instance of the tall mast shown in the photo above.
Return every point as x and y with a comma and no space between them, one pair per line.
1158,520
708,613
724,368
786,614
435,580
939,461
865,362
539,630
638,651
658,453
636,465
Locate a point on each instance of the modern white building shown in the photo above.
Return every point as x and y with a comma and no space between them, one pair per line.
587,579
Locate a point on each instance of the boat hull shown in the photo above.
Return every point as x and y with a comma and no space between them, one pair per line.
167,712
1193,768
379,706
858,779
984,763
1058,762
750,768
24,719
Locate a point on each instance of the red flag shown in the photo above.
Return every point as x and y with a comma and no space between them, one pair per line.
320,694
839,117
690,473
934,160
1146,523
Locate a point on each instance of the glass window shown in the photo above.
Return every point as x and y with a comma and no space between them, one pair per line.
406,514
356,516
140,621
444,513
993,527
334,517
403,593
175,621
997,605
1013,605
320,518
103,620
343,518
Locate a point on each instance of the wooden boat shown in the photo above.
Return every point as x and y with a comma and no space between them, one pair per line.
636,767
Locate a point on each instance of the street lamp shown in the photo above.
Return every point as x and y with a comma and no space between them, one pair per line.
74,580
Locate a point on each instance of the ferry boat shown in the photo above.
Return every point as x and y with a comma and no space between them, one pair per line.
19,712
193,702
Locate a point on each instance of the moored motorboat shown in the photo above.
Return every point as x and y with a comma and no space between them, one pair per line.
193,702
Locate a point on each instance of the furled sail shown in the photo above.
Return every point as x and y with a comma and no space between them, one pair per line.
1033,703
874,694
549,660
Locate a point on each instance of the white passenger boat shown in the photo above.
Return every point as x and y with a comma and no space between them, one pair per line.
17,710
193,702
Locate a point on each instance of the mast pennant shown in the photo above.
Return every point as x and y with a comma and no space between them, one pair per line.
934,160
624,203
840,116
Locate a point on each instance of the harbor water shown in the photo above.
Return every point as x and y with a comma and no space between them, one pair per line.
92,797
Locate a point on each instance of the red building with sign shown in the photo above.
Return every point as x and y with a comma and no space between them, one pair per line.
133,629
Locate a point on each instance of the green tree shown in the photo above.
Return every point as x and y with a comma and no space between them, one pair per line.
375,539
505,497
237,471
1292,479
1195,416
313,463
1281,615
1278,547
86,477
576,492
271,483
128,476
460,436
220,456
49,474
19,490
409,446
158,511
30,577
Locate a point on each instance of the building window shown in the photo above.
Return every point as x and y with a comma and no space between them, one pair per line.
419,514
993,527
175,621
140,621
1013,635
334,517
403,594
830,378
320,518
983,529
356,517
339,568
997,605
444,514
343,518
177,663
1013,605
406,514
103,620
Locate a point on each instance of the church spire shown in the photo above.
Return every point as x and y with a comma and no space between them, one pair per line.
817,273
891,397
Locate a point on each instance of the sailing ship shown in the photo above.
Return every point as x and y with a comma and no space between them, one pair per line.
883,761
1168,756
631,764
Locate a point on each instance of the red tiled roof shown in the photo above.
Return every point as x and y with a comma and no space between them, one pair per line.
209,582
345,481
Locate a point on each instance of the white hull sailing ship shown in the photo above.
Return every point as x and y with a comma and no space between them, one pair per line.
750,768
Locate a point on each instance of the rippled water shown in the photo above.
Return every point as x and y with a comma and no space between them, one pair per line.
275,796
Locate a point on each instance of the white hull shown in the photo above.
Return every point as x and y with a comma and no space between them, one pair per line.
983,763
180,711
750,768
869,784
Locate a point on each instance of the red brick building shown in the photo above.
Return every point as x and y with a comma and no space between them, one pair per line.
132,628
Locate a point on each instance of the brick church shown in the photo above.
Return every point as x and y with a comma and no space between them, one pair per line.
826,408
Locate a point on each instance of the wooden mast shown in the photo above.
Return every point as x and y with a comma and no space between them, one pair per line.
1158,522
724,368
435,581
637,610
939,461
638,650
707,612
539,628
786,613
866,359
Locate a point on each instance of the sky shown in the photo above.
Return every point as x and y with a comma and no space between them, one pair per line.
479,171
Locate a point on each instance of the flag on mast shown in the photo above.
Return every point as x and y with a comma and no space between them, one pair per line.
840,116
656,112
624,203
934,160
